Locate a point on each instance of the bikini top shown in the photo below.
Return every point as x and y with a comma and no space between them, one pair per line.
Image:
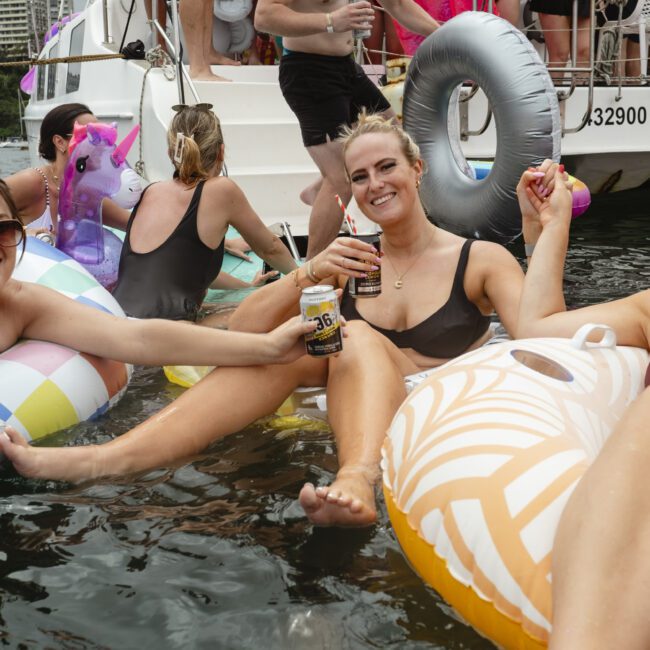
170,281
448,332
45,220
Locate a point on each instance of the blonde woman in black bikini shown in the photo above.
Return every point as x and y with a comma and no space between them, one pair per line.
438,293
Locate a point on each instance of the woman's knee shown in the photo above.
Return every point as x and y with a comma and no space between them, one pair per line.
360,335
583,55
360,342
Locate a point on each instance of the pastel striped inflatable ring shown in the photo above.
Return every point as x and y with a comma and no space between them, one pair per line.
480,461
46,387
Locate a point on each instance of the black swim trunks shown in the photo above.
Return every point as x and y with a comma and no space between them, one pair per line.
561,7
326,92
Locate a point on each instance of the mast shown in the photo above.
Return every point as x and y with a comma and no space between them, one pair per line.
20,115
34,28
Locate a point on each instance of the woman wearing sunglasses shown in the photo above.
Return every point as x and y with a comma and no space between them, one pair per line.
36,312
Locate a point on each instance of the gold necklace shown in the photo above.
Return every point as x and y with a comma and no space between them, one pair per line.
55,178
399,283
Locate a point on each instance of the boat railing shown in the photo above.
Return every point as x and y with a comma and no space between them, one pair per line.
579,75
108,39
463,109
173,47
575,70
576,74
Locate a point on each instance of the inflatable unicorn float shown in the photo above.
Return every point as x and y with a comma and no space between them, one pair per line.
97,169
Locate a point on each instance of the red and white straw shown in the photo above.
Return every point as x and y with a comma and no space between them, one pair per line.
347,216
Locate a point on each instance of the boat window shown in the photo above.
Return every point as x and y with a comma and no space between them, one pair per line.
76,48
40,86
52,70
540,363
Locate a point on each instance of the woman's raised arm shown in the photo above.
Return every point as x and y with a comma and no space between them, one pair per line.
542,310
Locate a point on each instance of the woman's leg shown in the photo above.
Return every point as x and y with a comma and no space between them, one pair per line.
364,390
509,10
633,58
583,46
557,36
224,402
601,558
210,53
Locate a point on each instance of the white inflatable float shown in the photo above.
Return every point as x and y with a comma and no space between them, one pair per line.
481,459
46,387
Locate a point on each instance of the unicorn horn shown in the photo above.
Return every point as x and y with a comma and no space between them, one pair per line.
121,150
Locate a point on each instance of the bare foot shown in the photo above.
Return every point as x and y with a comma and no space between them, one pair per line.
216,58
206,75
308,195
349,501
59,463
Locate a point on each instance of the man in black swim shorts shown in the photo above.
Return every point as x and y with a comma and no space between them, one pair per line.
325,88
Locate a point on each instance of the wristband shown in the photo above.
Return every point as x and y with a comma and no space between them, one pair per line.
529,248
310,273
330,26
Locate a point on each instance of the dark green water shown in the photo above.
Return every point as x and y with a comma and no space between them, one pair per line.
216,554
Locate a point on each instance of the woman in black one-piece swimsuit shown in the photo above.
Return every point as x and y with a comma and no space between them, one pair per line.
175,237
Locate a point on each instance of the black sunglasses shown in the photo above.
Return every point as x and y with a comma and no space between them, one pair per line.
12,233
203,106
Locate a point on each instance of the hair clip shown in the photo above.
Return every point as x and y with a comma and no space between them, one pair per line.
179,148
203,106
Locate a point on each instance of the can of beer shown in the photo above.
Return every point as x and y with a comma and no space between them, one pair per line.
360,34
370,286
47,237
319,303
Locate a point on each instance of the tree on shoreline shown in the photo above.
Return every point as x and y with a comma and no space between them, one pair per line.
9,115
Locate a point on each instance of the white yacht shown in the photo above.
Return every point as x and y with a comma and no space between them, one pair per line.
14,143
606,123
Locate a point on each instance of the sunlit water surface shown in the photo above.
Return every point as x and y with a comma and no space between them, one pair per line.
217,554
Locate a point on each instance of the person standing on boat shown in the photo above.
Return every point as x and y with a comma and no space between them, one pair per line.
325,88
196,18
